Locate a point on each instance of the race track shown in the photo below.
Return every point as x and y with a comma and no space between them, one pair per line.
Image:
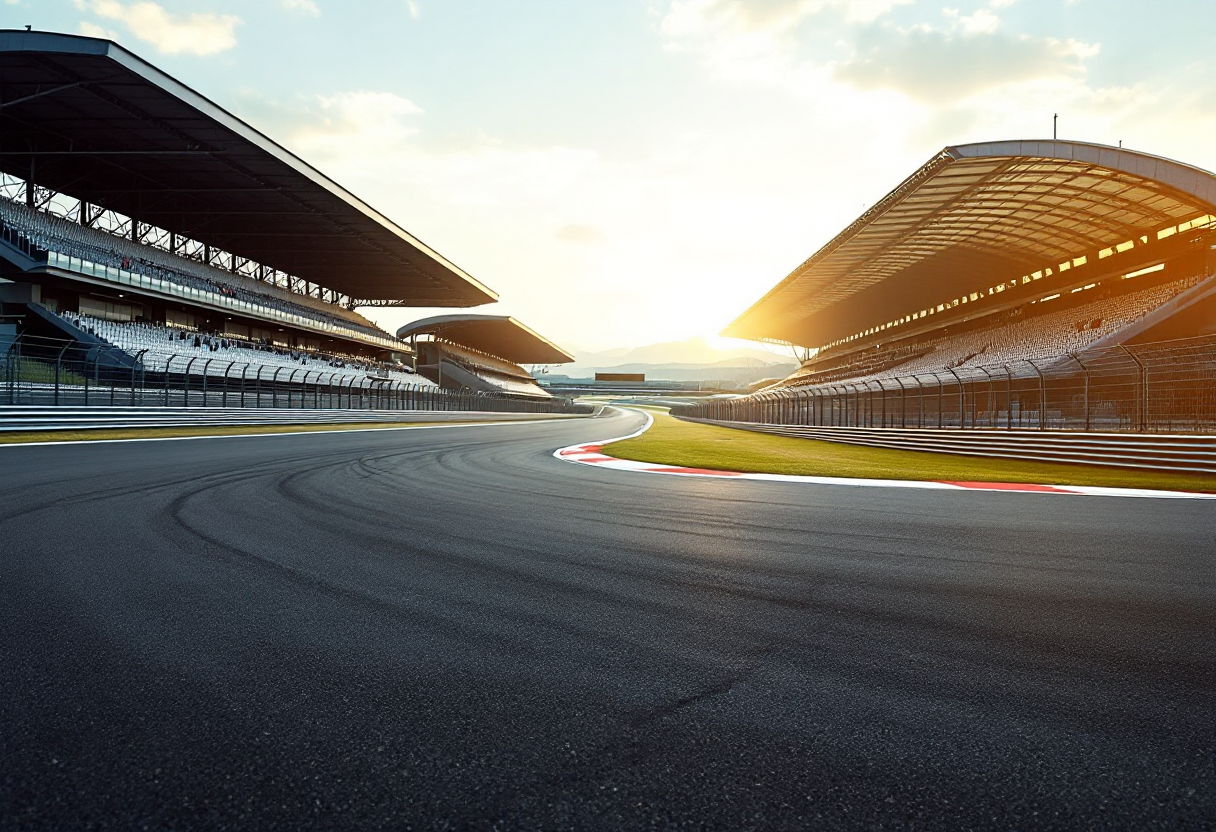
449,628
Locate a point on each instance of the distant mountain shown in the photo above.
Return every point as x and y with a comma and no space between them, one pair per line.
693,351
691,360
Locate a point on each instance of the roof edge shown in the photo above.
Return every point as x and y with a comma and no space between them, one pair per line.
1189,179
1193,181
435,325
18,40
939,160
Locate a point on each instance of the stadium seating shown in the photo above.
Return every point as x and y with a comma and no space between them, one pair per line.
50,233
162,348
1032,332
497,373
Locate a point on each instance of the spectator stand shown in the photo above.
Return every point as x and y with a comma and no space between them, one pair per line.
482,352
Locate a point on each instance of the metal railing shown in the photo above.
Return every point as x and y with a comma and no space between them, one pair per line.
1165,387
51,372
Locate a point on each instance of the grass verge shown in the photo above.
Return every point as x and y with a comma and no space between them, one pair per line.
199,430
673,442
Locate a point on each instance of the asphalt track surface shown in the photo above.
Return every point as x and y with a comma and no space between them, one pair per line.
452,629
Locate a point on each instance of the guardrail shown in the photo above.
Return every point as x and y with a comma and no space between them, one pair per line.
1119,450
1163,387
52,371
28,418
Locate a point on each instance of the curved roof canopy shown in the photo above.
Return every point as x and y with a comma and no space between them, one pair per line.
972,215
497,335
92,120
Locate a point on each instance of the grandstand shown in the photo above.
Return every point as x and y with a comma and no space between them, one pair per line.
1014,260
482,353
178,349
137,213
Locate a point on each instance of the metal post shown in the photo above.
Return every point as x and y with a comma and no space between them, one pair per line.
903,403
1042,395
113,389
205,368
186,382
292,381
10,368
1084,370
940,398
244,377
1008,395
989,409
1142,371
139,362
961,407
58,363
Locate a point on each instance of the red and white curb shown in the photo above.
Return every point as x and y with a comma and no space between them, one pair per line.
591,453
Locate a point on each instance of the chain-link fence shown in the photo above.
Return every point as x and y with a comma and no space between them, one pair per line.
52,372
1167,387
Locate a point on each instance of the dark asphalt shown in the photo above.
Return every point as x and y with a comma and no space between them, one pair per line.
451,629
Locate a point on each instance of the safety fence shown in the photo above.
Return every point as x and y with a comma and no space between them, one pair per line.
56,373
1165,387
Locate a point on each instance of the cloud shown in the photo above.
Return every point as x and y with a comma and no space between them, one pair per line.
579,234
981,21
700,17
946,65
413,7
304,7
373,124
171,34
964,53
758,41
92,30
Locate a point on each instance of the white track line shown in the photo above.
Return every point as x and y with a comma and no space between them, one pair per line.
590,453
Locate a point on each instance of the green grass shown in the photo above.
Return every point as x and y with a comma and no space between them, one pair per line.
673,442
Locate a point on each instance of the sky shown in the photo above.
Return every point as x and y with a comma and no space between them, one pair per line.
624,172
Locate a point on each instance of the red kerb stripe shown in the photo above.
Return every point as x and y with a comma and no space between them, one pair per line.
1009,486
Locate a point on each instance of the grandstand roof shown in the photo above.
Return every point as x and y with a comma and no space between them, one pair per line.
498,335
973,215
96,122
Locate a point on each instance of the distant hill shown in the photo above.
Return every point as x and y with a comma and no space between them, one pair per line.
693,351
691,360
